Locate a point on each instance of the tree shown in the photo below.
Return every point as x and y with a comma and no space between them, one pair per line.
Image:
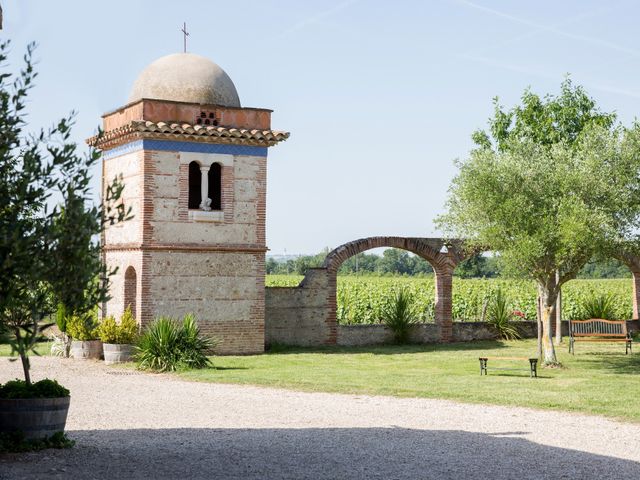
46,257
552,185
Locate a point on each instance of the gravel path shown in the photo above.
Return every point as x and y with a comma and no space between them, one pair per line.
130,425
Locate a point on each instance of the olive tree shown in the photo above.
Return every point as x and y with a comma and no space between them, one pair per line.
554,183
48,256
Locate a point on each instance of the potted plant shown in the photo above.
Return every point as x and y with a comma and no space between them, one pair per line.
33,410
48,250
118,338
85,344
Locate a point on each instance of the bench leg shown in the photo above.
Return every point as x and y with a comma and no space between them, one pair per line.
483,366
571,347
627,348
533,363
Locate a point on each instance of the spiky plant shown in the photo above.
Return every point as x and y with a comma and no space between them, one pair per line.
400,315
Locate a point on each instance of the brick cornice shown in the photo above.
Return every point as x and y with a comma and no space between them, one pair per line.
140,130
195,247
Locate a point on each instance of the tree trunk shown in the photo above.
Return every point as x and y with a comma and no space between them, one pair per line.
558,312
25,368
548,298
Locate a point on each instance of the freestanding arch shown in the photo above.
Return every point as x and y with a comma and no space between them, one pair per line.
306,314
443,255
130,290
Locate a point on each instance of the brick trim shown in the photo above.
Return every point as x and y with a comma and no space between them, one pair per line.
249,248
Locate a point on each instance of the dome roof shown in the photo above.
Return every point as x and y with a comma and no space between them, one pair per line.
185,77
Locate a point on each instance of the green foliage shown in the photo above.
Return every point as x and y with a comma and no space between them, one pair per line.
360,299
552,186
42,389
604,268
83,327
14,442
544,121
125,332
500,316
601,306
399,314
478,266
47,256
169,345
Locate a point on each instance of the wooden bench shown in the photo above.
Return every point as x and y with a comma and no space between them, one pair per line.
533,364
598,330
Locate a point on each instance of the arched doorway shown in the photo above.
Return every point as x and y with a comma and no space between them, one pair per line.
130,290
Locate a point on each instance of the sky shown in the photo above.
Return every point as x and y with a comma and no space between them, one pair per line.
380,97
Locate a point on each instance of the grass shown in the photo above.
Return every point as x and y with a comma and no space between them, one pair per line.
599,379
43,348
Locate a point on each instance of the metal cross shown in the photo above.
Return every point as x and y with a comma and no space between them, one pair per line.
186,34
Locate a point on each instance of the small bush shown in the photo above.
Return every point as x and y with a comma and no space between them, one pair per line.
121,333
399,314
14,442
83,327
43,389
499,316
169,345
599,306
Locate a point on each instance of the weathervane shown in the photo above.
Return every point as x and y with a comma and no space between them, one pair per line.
186,34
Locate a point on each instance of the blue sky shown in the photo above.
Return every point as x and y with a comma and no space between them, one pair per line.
379,97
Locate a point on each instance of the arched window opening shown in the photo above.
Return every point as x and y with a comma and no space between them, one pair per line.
215,186
130,282
195,183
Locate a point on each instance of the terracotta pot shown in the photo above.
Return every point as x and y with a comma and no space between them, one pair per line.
35,417
86,350
117,353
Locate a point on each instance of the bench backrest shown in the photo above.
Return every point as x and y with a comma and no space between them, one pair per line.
597,327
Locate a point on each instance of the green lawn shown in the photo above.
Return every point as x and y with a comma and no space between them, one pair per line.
43,348
599,379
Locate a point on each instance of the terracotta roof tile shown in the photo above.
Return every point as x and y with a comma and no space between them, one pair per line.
185,131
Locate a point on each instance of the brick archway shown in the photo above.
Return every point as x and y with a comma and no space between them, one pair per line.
443,255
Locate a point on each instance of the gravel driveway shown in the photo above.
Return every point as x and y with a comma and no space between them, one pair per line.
130,425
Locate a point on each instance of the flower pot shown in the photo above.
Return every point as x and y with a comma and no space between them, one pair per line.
35,417
86,350
117,353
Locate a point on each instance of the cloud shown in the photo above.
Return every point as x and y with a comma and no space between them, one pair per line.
553,29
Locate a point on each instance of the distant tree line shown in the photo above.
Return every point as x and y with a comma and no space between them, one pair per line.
394,261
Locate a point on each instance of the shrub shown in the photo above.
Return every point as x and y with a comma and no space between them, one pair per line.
399,314
168,345
121,333
83,327
599,306
14,442
43,389
499,316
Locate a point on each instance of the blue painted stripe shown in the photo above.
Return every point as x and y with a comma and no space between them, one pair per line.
195,147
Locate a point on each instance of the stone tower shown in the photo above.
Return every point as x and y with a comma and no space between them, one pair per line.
193,163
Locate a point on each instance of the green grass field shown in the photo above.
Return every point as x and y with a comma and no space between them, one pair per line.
599,379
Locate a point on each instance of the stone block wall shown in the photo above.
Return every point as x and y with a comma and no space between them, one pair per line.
362,335
224,290
300,315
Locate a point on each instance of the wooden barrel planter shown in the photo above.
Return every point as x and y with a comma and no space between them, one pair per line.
86,350
117,353
35,417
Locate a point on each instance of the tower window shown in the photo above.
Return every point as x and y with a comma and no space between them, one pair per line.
215,186
195,183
